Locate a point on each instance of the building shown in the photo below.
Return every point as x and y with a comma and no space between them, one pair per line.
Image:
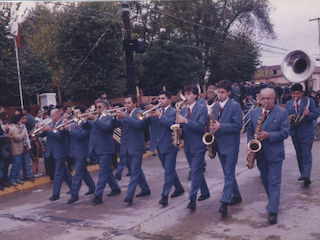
275,75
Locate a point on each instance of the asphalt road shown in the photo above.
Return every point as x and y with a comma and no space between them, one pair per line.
29,214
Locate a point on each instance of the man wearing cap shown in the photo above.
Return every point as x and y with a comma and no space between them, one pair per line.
302,135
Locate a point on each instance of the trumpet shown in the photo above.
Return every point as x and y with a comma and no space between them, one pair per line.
38,131
77,117
60,127
147,113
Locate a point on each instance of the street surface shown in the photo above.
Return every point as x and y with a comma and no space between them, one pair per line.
29,214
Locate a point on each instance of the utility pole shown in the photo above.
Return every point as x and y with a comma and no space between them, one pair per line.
128,48
318,19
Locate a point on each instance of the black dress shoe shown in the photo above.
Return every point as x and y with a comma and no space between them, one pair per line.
118,177
302,178
142,194
69,192
189,176
273,218
307,182
114,192
192,205
89,192
164,201
203,197
97,200
177,193
128,174
224,208
235,200
128,200
73,199
54,198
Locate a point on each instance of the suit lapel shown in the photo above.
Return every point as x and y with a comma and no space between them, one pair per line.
272,113
225,110
194,111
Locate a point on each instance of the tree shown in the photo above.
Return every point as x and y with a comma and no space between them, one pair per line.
82,26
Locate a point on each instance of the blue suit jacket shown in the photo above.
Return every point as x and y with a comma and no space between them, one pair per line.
194,130
57,143
305,128
228,136
161,133
132,138
278,127
101,131
79,141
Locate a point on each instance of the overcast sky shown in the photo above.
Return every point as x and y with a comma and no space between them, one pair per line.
292,27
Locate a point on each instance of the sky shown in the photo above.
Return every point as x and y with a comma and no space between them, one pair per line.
293,29
291,25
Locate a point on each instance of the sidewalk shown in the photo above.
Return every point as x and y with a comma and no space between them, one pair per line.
46,179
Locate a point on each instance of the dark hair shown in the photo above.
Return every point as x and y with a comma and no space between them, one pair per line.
3,116
45,107
117,104
133,97
19,109
101,93
143,105
28,109
45,114
22,115
297,87
58,106
225,84
167,93
15,119
66,107
36,112
192,88
82,109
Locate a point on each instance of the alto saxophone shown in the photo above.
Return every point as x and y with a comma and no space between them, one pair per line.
176,127
209,139
254,145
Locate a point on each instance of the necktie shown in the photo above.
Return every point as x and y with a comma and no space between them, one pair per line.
265,115
162,111
297,106
189,113
77,125
220,110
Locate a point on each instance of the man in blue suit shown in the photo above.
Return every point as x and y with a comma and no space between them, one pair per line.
302,135
132,146
79,151
57,147
101,143
161,121
275,128
227,128
193,120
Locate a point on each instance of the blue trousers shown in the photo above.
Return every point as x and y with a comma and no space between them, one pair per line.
81,172
168,161
271,179
137,176
303,150
124,161
1,167
15,168
61,173
198,181
105,175
228,163
26,164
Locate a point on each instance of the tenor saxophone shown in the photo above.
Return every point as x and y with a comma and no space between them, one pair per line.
254,145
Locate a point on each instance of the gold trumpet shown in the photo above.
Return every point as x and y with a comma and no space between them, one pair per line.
38,131
146,114
60,127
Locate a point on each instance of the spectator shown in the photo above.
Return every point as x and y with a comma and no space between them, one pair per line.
6,148
16,136
60,107
30,119
17,111
68,112
2,109
38,117
4,154
34,153
236,92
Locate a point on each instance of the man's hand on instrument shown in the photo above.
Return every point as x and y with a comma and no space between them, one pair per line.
155,113
215,126
67,127
46,129
262,135
290,117
121,115
306,112
181,119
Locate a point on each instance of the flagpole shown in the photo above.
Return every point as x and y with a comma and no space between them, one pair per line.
18,67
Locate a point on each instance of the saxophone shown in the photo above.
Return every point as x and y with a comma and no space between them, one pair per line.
254,145
176,131
208,138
